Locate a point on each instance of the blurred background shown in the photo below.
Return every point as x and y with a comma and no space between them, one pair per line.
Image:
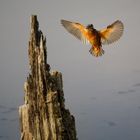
102,93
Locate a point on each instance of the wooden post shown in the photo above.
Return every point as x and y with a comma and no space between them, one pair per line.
43,115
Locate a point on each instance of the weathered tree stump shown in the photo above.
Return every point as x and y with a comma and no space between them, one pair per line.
43,115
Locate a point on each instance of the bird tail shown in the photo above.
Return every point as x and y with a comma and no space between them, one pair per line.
96,51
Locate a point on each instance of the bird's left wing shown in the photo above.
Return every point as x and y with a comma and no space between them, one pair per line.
112,32
76,29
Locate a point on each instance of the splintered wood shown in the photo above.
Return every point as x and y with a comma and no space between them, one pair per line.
43,115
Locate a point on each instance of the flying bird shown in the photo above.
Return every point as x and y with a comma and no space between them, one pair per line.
89,35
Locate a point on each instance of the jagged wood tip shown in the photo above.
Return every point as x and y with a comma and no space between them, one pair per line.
43,115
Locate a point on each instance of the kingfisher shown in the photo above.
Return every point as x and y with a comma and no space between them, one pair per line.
96,38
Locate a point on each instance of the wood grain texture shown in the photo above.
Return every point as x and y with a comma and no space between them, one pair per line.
43,115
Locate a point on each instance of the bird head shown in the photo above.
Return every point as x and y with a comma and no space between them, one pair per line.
90,26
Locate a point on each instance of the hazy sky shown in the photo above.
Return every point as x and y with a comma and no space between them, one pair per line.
102,93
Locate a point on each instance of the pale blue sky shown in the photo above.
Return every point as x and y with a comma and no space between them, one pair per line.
102,93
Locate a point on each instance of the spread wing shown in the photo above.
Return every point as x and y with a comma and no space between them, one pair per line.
76,29
112,32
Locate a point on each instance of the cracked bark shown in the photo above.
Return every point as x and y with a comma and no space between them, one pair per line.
43,115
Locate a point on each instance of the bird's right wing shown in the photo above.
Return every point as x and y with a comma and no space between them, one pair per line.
112,32
76,29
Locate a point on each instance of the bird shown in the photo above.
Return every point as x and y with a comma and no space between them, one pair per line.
96,38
